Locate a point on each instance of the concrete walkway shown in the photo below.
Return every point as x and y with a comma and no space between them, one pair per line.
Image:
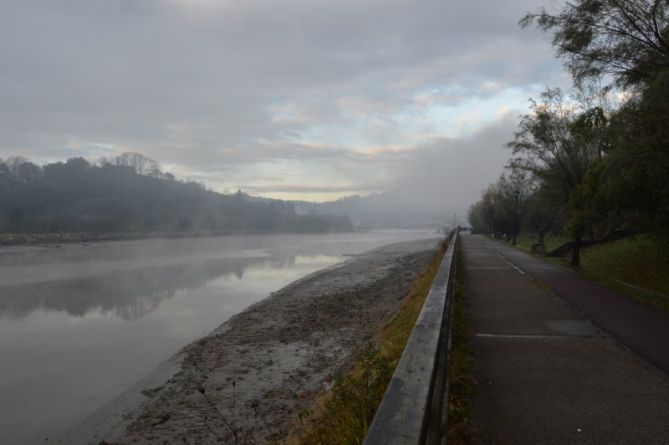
545,373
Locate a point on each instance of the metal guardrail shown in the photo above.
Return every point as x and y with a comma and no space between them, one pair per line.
415,404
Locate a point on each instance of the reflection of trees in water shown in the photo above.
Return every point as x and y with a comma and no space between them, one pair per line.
282,257
139,307
129,294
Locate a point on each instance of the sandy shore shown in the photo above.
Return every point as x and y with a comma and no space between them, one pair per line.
247,381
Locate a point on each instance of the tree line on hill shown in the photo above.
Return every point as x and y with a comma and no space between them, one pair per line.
583,163
129,193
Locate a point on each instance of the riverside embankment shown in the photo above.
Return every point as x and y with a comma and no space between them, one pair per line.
248,380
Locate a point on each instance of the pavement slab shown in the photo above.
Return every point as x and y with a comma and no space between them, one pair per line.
638,325
545,372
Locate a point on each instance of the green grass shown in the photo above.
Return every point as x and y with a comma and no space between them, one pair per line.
461,373
347,411
525,241
392,338
637,266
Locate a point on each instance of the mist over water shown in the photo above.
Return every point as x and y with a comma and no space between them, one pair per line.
80,323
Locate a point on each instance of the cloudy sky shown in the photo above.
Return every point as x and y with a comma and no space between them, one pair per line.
293,99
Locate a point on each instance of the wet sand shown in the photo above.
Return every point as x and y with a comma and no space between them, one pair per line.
249,379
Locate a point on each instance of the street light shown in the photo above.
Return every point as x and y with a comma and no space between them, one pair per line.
516,194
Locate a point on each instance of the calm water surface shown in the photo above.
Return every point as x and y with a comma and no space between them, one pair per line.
79,324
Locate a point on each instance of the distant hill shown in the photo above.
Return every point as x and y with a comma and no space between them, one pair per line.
129,193
389,210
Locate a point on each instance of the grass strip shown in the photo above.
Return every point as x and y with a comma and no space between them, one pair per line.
608,278
640,261
551,242
637,267
461,370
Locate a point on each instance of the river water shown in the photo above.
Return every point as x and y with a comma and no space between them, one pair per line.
80,323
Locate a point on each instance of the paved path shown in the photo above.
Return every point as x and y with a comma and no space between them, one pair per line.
545,372
638,325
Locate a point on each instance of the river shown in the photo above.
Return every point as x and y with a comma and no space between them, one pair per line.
80,323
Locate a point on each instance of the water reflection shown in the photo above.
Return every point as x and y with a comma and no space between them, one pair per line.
127,294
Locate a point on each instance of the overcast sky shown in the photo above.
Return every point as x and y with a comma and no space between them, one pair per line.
293,99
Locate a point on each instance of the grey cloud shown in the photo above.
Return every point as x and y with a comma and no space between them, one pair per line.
447,174
450,173
198,83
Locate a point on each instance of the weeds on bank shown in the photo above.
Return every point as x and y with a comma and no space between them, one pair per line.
349,409
230,425
392,337
461,371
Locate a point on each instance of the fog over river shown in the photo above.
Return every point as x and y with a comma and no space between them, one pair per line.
80,323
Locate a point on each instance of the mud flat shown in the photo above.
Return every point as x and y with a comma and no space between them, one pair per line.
247,381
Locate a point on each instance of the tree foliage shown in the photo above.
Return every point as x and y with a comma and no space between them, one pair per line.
553,143
495,214
626,39
637,165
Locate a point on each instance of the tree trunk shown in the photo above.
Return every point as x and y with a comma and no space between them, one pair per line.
576,252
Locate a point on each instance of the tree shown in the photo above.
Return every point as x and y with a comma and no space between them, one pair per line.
477,218
637,164
586,208
557,143
5,172
481,214
545,146
28,172
542,215
19,169
13,164
140,163
495,213
626,39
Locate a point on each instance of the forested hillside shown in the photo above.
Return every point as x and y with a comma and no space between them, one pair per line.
129,193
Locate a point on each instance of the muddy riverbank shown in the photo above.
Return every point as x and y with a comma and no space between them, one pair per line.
247,381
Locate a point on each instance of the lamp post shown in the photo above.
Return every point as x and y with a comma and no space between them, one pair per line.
516,194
